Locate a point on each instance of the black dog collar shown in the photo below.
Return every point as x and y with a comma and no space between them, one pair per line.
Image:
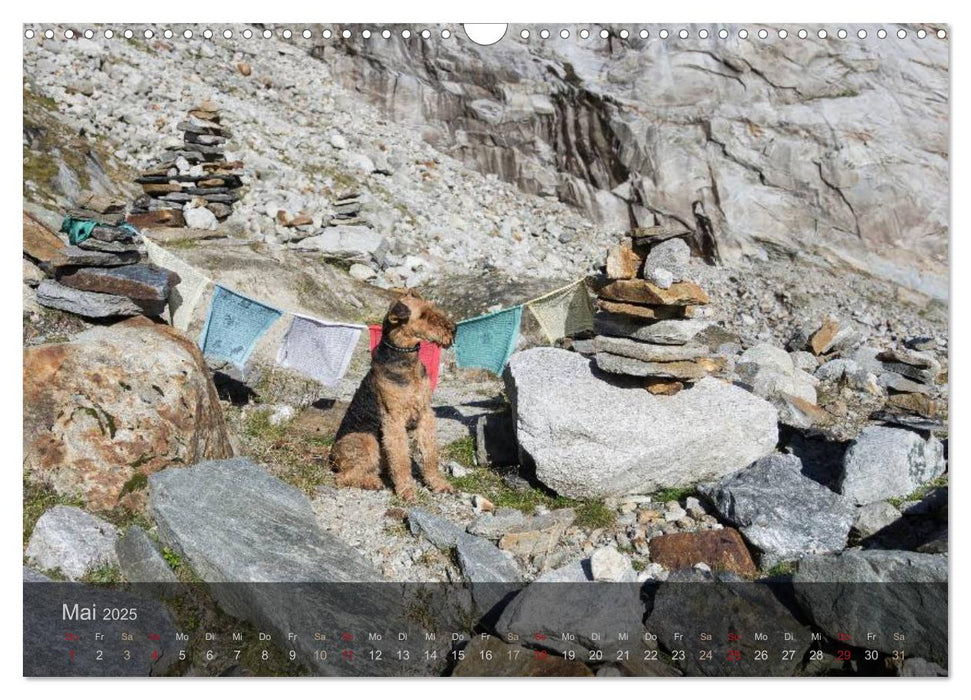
388,344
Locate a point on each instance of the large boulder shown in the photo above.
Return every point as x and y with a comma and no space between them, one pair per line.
115,404
888,463
241,531
879,592
781,512
590,438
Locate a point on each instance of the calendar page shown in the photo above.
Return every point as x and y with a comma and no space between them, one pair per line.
604,350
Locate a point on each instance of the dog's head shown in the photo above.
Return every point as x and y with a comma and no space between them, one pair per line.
411,319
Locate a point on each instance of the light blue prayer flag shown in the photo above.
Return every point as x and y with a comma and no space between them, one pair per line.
488,341
233,326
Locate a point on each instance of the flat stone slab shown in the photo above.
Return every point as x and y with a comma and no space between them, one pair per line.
648,352
73,256
40,243
689,369
644,292
590,439
721,550
88,304
72,541
668,332
142,282
644,311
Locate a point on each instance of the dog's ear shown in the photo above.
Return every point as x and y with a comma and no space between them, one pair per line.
399,313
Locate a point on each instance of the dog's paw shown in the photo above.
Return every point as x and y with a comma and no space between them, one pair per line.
406,493
441,487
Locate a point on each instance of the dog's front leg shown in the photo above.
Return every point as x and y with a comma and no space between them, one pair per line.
428,447
394,442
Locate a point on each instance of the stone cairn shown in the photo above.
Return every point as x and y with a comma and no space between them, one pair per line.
104,275
644,323
195,185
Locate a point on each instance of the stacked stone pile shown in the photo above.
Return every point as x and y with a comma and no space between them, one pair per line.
644,323
194,185
103,275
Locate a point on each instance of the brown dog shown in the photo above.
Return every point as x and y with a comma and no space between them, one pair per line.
392,400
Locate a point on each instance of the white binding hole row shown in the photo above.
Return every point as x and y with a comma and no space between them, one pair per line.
524,33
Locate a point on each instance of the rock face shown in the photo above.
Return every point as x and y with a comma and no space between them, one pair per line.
590,439
861,591
783,513
517,661
68,540
114,405
663,134
889,462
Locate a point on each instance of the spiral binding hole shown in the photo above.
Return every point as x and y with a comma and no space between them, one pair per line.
287,34
743,34
29,34
861,34
49,34
524,34
167,34
89,34
247,34
346,34
783,34
207,34
881,33
109,33
544,34
723,33
306,33
604,33
663,33
624,33
703,33
267,33
446,34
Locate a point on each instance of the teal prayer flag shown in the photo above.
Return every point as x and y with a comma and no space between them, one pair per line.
488,341
233,326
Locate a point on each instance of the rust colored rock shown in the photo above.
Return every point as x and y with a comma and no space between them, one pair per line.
648,313
244,69
161,218
161,188
116,404
822,338
40,243
722,550
490,656
663,387
622,262
644,292
918,404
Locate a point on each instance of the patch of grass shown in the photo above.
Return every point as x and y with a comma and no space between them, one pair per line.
594,514
783,568
462,451
300,459
138,482
103,574
674,494
487,482
920,493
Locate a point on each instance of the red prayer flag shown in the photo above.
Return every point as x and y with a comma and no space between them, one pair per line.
428,353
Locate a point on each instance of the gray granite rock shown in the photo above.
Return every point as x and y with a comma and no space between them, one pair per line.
668,262
888,463
72,541
139,559
781,512
873,517
591,439
87,304
73,256
879,591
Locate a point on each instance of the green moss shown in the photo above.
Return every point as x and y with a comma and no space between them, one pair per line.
137,482
594,514
182,244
